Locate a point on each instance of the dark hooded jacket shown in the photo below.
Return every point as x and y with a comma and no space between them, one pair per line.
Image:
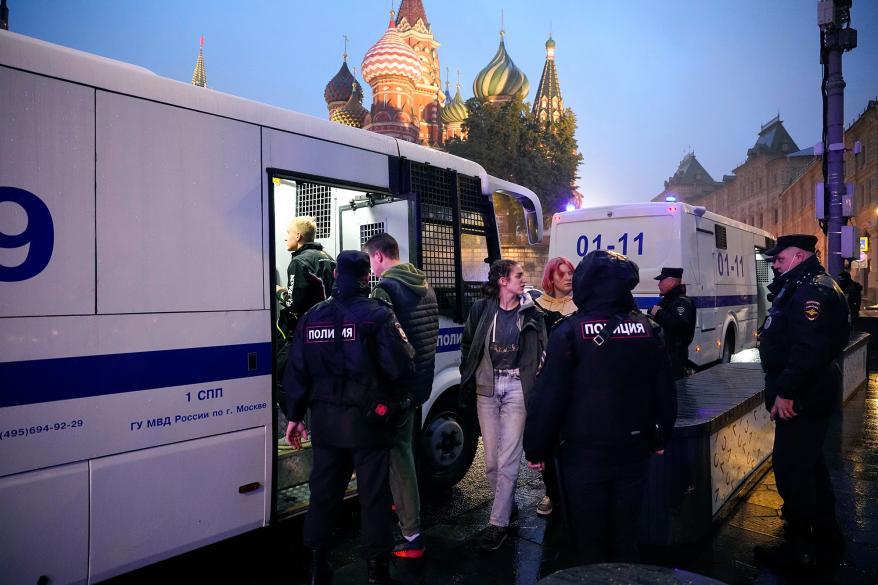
805,331
414,302
613,393
346,355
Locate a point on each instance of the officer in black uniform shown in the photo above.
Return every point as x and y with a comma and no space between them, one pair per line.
676,314
804,332
612,416
346,354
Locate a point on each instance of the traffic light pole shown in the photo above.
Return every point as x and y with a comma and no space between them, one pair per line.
836,37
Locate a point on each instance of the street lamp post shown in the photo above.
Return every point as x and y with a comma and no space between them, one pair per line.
836,37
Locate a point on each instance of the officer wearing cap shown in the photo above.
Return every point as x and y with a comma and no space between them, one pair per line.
676,314
805,331
346,355
608,416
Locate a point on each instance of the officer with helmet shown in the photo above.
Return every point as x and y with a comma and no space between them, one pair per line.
805,331
346,356
607,385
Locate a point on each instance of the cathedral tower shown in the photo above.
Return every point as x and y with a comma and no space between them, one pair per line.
199,77
392,68
428,99
548,104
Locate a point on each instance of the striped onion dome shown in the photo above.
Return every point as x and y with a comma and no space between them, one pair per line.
391,56
455,111
339,87
352,113
500,78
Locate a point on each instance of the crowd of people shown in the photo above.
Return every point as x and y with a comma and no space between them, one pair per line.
549,374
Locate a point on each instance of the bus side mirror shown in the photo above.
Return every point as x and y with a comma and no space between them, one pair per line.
532,226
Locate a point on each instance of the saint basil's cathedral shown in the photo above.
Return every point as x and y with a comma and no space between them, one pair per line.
402,69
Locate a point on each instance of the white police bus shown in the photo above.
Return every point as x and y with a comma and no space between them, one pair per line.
724,272
141,229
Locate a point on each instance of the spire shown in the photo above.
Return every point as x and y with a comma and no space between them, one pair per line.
548,104
411,11
199,77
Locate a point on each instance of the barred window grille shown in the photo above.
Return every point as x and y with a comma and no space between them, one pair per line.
435,188
720,235
367,230
764,275
315,200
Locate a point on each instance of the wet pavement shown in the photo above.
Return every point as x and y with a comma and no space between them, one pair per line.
452,521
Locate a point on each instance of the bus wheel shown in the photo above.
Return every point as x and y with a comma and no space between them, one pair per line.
728,346
447,445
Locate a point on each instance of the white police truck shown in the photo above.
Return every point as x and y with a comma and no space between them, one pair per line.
724,272
141,229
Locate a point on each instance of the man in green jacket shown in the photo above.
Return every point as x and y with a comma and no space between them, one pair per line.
414,302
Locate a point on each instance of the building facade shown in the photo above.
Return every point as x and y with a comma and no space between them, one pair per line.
774,189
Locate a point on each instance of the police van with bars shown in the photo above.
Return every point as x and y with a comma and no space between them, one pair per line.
725,275
141,241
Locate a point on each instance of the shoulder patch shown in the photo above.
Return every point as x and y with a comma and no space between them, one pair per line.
681,310
400,331
812,310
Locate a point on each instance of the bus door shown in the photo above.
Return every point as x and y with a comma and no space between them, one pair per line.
360,220
292,197
706,302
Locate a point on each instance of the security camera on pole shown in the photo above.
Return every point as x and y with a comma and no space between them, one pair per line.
836,37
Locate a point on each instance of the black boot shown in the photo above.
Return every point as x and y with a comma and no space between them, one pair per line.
796,553
319,573
379,570
828,542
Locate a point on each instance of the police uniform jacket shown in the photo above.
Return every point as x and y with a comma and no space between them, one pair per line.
616,397
805,331
677,318
346,354
414,303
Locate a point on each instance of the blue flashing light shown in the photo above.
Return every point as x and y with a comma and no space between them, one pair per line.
570,207
671,198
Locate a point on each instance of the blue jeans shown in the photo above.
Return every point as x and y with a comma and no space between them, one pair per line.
502,418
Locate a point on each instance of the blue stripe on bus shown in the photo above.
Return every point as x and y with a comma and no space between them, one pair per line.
35,381
703,302
449,339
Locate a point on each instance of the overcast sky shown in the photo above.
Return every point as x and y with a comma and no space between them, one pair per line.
649,80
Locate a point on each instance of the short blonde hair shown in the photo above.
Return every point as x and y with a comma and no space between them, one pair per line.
305,225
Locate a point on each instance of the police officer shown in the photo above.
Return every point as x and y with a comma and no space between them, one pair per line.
414,303
853,293
611,415
676,314
346,354
804,332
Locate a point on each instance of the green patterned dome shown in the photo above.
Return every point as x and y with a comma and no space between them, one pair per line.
352,113
501,78
455,111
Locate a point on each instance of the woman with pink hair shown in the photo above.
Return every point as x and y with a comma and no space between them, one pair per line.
557,302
